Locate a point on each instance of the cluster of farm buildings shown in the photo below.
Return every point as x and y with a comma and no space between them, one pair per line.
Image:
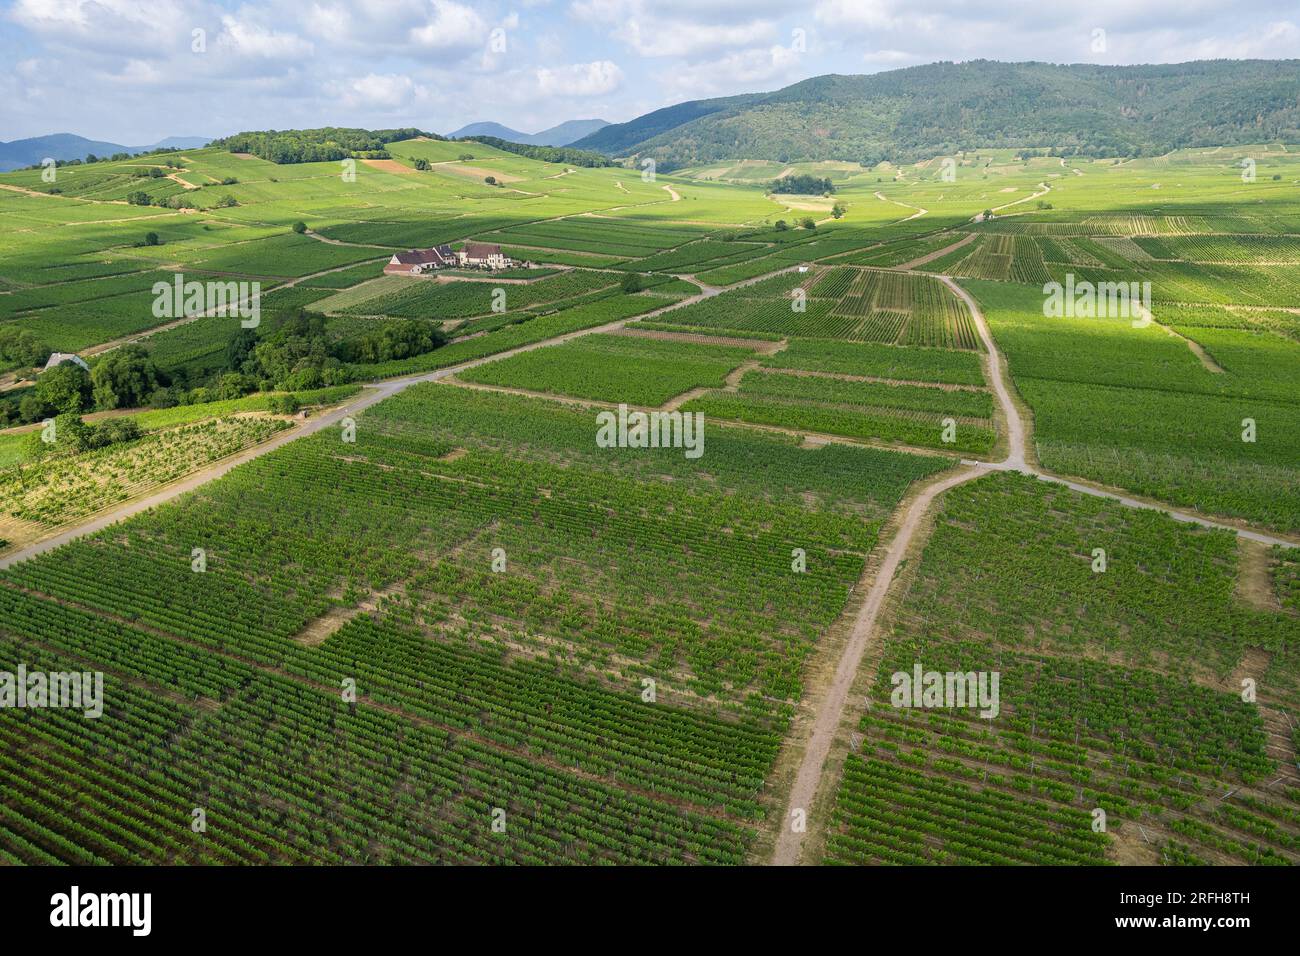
473,255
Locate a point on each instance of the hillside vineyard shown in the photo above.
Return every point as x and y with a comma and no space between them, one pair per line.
427,501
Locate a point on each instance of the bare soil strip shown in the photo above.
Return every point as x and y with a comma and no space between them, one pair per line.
390,166
1254,581
939,253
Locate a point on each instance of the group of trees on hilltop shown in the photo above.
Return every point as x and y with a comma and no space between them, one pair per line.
547,154
803,185
318,145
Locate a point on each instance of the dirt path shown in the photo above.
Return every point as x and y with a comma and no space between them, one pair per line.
809,777
939,253
673,193
373,394
339,242
1043,190
139,336
996,374
916,215
1196,348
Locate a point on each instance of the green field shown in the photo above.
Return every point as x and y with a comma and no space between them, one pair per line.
446,603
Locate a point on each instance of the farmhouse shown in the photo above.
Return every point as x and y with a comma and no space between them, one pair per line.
484,255
58,358
474,255
415,261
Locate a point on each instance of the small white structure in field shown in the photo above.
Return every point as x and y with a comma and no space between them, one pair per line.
58,358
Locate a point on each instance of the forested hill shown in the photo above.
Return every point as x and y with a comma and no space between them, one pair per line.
908,114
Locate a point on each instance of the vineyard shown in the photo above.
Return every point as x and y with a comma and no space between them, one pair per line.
55,491
447,624
516,690
1137,408
1149,736
615,368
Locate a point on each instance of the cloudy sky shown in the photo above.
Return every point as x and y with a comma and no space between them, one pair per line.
134,71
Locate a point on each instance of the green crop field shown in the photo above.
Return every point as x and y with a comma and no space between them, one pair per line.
369,582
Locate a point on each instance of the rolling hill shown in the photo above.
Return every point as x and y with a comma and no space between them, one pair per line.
908,114
562,135
28,152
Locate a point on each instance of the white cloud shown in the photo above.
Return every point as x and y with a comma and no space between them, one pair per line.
250,39
387,91
141,27
451,26
743,71
681,38
679,29
580,79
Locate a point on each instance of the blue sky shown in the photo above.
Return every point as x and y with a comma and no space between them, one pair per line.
133,71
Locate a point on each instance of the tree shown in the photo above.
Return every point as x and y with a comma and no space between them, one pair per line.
124,378
233,385
30,408
808,223
282,404
490,180
300,227
422,165
838,210
138,198
804,184
781,225
151,239
22,347
632,283
64,388
239,348
112,431
70,436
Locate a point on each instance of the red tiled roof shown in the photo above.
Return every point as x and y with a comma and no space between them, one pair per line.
481,250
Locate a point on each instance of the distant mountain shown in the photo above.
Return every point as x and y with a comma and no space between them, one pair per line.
922,111
620,138
177,142
29,152
561,135
491,129
568,132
